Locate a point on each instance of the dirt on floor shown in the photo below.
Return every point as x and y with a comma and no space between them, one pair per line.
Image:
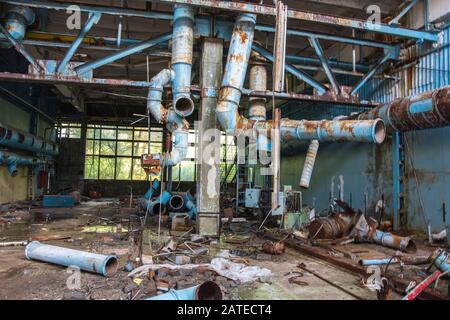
107,227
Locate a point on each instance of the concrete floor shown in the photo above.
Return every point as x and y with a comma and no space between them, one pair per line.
24,279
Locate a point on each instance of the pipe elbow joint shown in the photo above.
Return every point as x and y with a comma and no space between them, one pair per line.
12,168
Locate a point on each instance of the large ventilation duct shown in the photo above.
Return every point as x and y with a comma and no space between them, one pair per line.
15,138
427,110
180,76
13,160
230,93
309,164
182,44
234,75
17,20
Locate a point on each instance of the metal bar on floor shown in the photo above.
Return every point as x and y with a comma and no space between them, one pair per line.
326,67
93,19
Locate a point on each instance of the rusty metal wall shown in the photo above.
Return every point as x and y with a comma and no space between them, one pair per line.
427,162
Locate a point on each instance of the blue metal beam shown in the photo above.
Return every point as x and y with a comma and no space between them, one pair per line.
321,89
241,7
308,34
123,53
326,67
93,19
247,7
389,56
404,11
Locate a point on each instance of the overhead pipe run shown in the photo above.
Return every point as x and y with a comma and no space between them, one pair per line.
427,110
13,160
14,138
230,93
17,20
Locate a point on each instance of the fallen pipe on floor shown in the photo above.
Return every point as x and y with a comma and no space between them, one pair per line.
441,262
376,262
158,205
87,261
422,286
155,186
176,202
208,290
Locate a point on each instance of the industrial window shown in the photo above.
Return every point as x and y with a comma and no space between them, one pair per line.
114,152
228,158
69,131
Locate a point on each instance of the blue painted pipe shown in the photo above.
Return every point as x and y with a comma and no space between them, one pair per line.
441,261
92,262
17,20
394,241
13,160
154,207
155,185
373,262
182,51
190,205
15,138
333,130
235,70
208,290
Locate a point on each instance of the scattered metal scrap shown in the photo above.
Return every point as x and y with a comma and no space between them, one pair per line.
354,225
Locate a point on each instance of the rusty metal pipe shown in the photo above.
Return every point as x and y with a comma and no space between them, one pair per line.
234,75
427,110
309,163
258,82
182,51
176,124
333,130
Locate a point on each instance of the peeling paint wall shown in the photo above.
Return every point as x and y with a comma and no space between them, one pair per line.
13,189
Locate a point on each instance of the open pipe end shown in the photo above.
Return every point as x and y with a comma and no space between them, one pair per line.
208,290
176,202
184,106
379,131
410,247
111,266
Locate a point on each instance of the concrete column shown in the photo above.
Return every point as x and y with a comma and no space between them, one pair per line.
208,148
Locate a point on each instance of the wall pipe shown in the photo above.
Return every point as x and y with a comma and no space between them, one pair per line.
15,138
92,262
13,160
309,164
427,110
